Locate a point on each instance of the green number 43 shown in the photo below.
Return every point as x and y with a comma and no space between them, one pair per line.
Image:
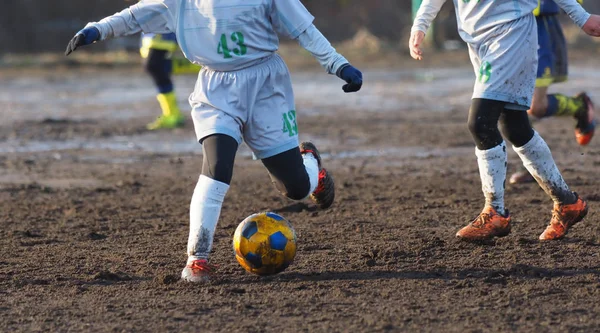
237,38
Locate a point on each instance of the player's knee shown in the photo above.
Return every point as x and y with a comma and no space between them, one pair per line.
221,171
480,127
537,110
154,66
298,190
516,128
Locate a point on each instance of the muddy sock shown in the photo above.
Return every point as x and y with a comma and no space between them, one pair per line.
537,158
205,209
492,170
312,168
561,105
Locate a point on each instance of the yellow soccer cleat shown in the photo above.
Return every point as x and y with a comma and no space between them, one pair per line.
171,115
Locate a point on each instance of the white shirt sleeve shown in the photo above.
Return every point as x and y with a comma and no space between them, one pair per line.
315,43
147,15
426,14
577,13
290,18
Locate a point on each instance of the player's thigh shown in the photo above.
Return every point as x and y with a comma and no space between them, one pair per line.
559,49
271,127
218,105
219,152
508,64
209,120
545,51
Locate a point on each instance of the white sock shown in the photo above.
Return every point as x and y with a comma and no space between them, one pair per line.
312,168
205,209
492,170
537,159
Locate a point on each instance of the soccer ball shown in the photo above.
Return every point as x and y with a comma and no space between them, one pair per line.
264,243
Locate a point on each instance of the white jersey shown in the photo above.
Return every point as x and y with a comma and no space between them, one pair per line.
479,19
224,35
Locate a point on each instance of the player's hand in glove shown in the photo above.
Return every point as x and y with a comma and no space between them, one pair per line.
416,39
352,76
592,26
84,37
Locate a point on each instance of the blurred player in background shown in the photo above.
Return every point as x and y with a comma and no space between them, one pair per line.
552,68
158,52
243,93
502,41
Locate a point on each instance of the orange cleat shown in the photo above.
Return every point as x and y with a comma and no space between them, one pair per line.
487,225
324,195
197,271
584,130
564,217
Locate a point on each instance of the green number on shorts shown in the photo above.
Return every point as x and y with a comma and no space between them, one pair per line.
289,123
485,72
238,39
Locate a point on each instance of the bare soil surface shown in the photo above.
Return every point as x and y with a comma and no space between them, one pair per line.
94,216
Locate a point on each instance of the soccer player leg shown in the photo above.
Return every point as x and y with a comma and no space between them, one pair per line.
157,51
494,220
219,154
292,175
272,134
569,208
553,67
220,134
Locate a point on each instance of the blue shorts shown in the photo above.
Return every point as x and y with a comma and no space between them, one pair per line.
552,52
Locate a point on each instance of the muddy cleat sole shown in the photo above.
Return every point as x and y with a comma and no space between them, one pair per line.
487,225
586,124
166,122
197,271
324,195
521,177
563,218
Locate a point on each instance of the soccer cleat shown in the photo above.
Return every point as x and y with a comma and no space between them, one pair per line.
324,194
487,225
521,177
197,271
171,116
586,124
564,217
166,122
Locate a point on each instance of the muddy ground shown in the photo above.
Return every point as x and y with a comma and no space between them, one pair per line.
93,213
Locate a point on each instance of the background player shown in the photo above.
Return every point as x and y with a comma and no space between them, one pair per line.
243,92
158,51
552,68
502,41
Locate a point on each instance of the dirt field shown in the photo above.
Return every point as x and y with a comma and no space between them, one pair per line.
93,213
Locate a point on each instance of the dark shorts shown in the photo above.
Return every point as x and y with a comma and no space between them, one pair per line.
552,52
162,42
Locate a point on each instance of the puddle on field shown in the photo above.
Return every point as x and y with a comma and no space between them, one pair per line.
131,95
140,143
143,144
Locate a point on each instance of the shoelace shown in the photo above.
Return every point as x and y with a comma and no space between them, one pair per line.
201,265
480,220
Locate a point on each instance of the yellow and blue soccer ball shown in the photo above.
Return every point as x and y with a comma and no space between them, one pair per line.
264,243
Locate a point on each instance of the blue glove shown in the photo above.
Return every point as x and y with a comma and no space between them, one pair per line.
352,76
83,37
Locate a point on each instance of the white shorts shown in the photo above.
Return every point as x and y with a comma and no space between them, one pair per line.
254,105
506,63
